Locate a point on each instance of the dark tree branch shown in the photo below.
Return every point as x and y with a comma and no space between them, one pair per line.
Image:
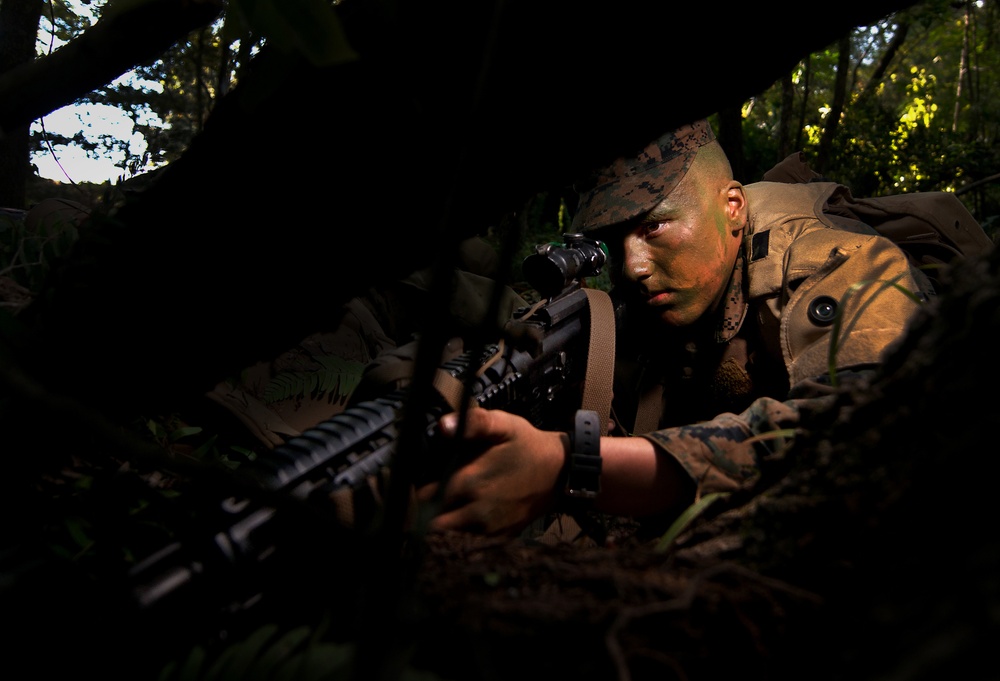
116,43
898,38
18,26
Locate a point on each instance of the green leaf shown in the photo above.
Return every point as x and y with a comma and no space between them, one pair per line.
338,378
186,431
247,653
250,454
780,434
322,661
189,671
203,450
685,518
78,531
279,652
156,429
283,386
233,663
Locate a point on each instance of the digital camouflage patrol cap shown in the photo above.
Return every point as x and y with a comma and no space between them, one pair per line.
630,187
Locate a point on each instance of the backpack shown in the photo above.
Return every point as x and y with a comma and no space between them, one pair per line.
933,228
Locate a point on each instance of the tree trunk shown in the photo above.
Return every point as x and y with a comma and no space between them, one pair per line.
730,134
785,118
836,106
18,29
806,71
902,29
963,69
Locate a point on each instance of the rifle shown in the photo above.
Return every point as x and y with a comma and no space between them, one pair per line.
539,369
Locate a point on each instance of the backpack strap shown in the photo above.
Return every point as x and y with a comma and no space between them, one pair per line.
647,416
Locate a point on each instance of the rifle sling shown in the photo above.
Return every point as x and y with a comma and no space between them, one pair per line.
598,383
451,388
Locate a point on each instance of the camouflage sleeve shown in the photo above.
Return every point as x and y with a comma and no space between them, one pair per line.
720,455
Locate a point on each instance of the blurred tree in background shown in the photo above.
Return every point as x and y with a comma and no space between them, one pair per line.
920,108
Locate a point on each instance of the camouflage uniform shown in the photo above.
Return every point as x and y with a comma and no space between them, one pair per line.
766,355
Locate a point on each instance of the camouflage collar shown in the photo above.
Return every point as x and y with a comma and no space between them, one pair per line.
735,309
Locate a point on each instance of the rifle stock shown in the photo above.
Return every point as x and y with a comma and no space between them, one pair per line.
536,370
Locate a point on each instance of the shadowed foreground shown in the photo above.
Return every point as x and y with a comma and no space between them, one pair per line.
866,551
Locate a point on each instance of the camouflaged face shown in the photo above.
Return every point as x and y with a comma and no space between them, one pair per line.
630,187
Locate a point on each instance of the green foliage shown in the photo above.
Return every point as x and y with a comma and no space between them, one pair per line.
27,255
63,21
336,379
546,217
928,122
685,519
169,99
194,443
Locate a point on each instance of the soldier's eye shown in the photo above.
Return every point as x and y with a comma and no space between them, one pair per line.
652,228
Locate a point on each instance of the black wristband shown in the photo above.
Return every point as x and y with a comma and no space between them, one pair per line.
583,463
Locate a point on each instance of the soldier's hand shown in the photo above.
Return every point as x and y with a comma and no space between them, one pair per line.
509,479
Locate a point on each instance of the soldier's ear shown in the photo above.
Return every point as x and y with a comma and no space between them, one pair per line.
736,205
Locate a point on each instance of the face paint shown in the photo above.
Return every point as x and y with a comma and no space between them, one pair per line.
681,258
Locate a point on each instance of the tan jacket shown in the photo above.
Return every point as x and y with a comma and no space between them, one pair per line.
821,289
805,265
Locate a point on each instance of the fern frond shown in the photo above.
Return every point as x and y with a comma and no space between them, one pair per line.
337,379
284,385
